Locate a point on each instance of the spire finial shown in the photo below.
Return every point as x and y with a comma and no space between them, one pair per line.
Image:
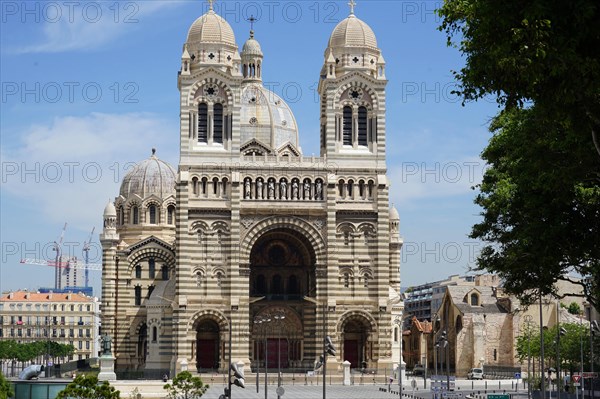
210,4
252,20
352,4
153,151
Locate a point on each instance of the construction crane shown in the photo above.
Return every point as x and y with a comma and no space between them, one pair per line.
86,251
72,263
60,263
57,247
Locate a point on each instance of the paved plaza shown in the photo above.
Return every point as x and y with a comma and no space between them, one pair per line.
153,389
304,392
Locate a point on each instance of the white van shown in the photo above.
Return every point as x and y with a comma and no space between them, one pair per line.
475,374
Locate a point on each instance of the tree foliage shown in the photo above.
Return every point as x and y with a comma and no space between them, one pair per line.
28,351
185,386
541,215
541,194
87,387
572,343
6,390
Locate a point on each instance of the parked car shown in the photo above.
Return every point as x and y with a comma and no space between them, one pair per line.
418,370
475,374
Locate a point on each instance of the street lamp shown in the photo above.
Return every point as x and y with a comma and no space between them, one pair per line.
594,329
398,322
262,321
528,320
444,343
279,317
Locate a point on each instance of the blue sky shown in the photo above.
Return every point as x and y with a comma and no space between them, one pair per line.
88,88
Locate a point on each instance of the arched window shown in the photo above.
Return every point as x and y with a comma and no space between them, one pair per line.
164,271
154,334
347,126
215,186
121,216
138,271
276,288
150,290
195,185
224,187
218,124
203,123
138,295
261,285
135,215
151,268
474,299
293,288
362,126
395,334
171,214
152,214
459,324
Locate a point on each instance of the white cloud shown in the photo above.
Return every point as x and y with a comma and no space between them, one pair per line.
69,169
415,181
87,26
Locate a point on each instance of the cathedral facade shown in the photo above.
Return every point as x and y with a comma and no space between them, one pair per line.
248,241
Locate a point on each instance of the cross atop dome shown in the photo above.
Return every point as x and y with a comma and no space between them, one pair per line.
210,4
352,4
252,20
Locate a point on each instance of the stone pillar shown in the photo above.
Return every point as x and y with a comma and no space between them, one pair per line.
346,366
107,368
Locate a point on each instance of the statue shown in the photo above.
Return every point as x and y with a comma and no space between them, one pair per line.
319,190
294,190
283,187
247,189
306,190
106,345
259,188
271,189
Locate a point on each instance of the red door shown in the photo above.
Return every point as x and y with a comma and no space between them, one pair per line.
275,346
206,355
351,352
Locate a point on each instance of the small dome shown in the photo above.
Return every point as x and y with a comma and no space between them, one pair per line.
110,210
149,177
394,215
265,116
252,47
211,28
352,32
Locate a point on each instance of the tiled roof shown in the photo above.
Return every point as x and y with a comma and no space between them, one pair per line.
488,302
22,296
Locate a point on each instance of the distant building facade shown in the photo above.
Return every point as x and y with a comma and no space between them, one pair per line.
65,318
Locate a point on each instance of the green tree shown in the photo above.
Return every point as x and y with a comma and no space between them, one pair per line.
574,308
185,386
6,390
535,200
87,387
541,194
528,344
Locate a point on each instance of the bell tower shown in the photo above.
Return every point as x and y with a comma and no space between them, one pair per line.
352,90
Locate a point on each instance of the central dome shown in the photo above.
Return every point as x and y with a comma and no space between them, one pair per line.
211,28
266,118
149,177
352,32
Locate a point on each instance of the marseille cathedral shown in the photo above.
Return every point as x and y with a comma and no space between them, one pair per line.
249,241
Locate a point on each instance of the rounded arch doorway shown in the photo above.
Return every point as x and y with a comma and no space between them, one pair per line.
282,273
207,345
